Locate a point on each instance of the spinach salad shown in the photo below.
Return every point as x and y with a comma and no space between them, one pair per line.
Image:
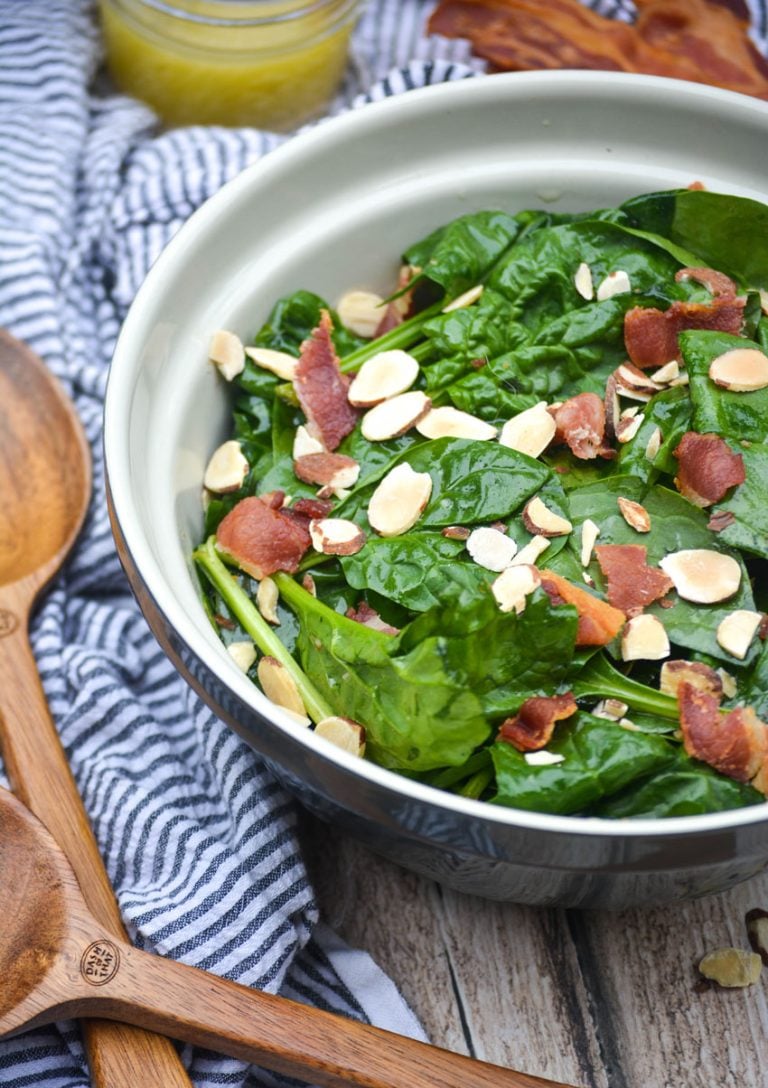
506,530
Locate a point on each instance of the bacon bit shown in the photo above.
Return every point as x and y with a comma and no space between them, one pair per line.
720,520
708,468
632,584
262,540
312,508
762,631
308,582
399,308
275,499
222,621
696,186
533,725
458,532
650,335
717,283
580,423
324,468
369,617
322,388
736,744
599,622
478,364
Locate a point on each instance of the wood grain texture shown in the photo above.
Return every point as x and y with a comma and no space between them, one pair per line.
600,999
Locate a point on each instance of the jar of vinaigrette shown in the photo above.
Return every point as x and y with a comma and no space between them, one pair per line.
272,64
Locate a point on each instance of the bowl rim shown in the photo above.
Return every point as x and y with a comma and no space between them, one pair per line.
340,129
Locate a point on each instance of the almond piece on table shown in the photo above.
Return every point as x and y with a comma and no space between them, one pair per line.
743,370
702,575
731,967
513,586
304,443
279,686
530,431
736,632
541,521
227,353
615,283
491,548
644,639
382,376
399,500
267,597
344,733
582,281
467,298
589,534
280,363
242,653
395,416
226,469
635,515
531,551
361,312
336,536
449,422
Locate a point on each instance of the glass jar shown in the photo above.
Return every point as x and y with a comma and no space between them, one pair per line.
269,63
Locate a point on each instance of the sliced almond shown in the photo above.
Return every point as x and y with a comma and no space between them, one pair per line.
635,515
227,353
742,370
589,534
612,406
628,428
399,500
382,376
513,586
267,597
582,281
654,444
279,363
631,382
465,299
541,521
731,967
615,283
344,733
242,653
304,443
449,422
456,532
530,431
308,582
667,373
336,536
695,673
491,549
702,575
763,299
298,719
279,686
542,758
361,312
531,551
684,379
395,416
612,709
644,639
226,469
730,687
736,632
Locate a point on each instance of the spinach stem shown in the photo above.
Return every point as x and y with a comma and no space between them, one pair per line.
403,336
599,679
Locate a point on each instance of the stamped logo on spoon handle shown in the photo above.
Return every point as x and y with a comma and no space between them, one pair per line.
8,622
100,962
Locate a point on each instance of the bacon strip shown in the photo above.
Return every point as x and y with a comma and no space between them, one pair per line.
580,423
708,468
262,540
599,622
717,283
533,725
632,584
736,743
322,388
650,335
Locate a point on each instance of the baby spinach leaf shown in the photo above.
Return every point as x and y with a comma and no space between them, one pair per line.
742,416
459,255
748,503
670,411
292,321
480,394
480,331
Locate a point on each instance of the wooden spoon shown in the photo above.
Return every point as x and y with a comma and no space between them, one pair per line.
45,487
56,962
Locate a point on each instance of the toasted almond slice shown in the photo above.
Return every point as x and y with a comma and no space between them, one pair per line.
242,653
304,443
730,687
587,579
654,444
336,536
702,575
644,639
541,521
736,632
344,733
381,377
299,719
615,283
684,379
731,968
361,312
612,709
628,428
491,549
582,281
631,382
513,586
308,583
612,407
635,515
279,686
394,417
465,299
278,362
530,431
399,500
227,353
696,673
267,596
589,534
742,370
763,299
531,551
542,758
667,373
456,532
449,422
631,412
226,469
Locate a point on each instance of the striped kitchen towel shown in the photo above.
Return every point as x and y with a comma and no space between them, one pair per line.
198,838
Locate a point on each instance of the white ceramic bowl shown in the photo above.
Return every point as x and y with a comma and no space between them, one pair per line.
331,210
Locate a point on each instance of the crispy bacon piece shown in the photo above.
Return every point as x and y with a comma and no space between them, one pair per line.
650,335
399,308
275,499
720,520
262,540
598,622
322,468
369,617
717,283
708,468
632,584
580,423
311,508
322,388
705,41
736,743
533,725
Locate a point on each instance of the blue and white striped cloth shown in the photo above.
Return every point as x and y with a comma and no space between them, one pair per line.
198,838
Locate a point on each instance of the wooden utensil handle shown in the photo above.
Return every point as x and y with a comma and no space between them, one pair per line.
119,1056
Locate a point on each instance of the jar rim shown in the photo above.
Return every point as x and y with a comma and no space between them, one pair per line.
300,11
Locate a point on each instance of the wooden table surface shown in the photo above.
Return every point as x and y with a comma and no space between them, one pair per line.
592,998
